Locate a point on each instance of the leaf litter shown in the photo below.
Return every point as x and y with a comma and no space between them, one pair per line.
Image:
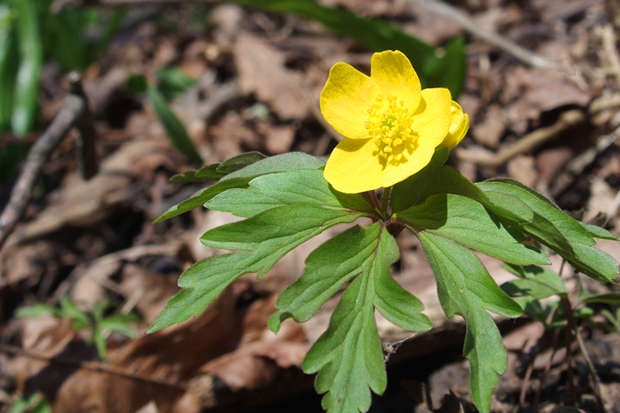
259,75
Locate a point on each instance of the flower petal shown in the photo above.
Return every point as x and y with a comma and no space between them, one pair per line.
433,118
345,100
415,162
352,168
394,74
458,126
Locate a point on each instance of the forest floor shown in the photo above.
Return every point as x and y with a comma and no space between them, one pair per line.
259,76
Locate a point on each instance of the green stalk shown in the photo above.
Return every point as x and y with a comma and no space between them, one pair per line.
6,66
385,203
28,73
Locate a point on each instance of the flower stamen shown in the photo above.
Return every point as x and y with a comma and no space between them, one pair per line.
389,125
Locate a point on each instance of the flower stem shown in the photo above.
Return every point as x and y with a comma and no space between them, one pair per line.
385,202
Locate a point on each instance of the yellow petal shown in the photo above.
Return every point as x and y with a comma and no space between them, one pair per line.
345,100
394,74
433,118
458,126
415,162
352,168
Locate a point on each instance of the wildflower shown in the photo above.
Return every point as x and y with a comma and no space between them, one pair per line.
391,126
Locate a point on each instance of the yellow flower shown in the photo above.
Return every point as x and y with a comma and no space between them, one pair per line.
391,126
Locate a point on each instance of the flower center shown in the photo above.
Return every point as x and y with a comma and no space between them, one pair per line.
389,124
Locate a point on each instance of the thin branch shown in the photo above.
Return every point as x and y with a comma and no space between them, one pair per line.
570,326
596,385
87,137
73,108
609,45
526,144
467,23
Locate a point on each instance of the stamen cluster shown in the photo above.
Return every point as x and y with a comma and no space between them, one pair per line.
389,125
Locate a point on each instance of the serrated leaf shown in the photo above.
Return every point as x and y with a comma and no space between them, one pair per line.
570,228
304,186
271,234
466,288
216,171
348,355
598,232
209,171
263,240
240,178
558,231
278,163
398,305
327,269
469,223
509,207
534,282
334,263
238,162
202,196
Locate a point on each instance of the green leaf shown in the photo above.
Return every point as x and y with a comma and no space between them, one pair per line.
99,341
606,298
174,128
534,282
509,207
36,403
36,310
238,162
241,178
398,305
466,288
68,309
119,323
469,223
200,197
278,163
328,268
263,240
348,355
218,170
334,263
450,70
598,232
173,82
541,206
409,191
558,231
450,181
303,186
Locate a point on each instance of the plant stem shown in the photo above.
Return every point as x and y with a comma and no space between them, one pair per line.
595,380
570,326
385,202
371,198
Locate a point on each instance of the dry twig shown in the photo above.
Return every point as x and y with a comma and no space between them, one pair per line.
526,144
74,112
467,23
